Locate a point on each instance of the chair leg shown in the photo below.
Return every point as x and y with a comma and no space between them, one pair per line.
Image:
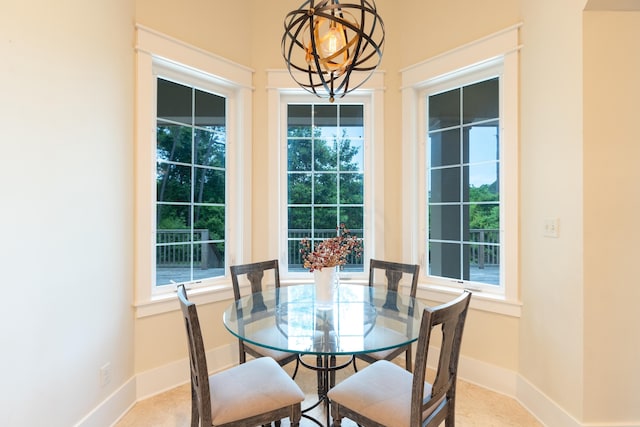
335,415
408,361
355,367
296,414
195,413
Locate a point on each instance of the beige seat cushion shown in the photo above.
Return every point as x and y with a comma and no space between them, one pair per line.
381,392
252,388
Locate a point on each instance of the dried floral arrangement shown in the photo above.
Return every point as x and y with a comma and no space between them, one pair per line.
330,252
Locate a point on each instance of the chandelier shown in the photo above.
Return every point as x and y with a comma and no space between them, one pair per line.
332,48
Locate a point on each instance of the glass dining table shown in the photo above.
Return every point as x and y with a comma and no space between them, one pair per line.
357,319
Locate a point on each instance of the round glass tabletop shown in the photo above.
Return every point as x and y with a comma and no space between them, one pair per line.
360,319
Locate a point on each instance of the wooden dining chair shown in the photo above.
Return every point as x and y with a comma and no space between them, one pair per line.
258,392
385,395
393,272
255,273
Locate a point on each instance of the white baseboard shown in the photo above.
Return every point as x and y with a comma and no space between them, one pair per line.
542,407
174,374
112,408
485,375
491,377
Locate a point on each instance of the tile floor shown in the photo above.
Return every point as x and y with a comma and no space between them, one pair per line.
475,407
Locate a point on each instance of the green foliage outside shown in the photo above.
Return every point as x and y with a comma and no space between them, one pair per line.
484,216
325,186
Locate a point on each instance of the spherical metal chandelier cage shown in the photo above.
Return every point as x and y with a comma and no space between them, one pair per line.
332,48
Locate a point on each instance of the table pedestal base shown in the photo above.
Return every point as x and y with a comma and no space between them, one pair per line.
326,368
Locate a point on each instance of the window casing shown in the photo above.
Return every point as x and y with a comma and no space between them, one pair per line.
444,218
215,112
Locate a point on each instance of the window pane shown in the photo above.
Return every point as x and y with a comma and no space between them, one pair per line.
173,183
484,175
352,121
326,190
445,185
210,148
211,256
444,222
444,260
325,155
484,264
324,222
173,143
484,219
210,110
299,155
353,219
480,101
209,186
209,222
326,120
299,189
351,188
481,143
174,218
174,102
299,120
445,148
444,110
351,155
299,222
173,263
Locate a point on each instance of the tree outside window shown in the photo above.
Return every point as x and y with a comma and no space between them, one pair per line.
325,175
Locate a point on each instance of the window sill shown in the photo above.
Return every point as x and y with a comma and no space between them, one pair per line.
167,302
480,301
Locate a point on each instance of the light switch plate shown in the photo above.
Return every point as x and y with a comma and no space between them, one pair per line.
551,227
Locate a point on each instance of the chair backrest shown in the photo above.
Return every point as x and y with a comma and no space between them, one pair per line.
393,273
255,273
450,317
197,359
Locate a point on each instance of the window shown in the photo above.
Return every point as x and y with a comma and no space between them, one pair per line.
325,175
323,158
192,205
460,171
463,179
191,146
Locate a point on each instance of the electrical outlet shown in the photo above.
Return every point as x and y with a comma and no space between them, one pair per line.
105,374
551,227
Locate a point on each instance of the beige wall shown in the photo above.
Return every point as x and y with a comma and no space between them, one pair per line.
213,25
160,339
611,206
66,89
551,327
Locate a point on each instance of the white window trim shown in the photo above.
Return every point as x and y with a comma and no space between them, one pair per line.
281,88
156,51
502,47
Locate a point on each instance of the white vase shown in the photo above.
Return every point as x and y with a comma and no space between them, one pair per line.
325,281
